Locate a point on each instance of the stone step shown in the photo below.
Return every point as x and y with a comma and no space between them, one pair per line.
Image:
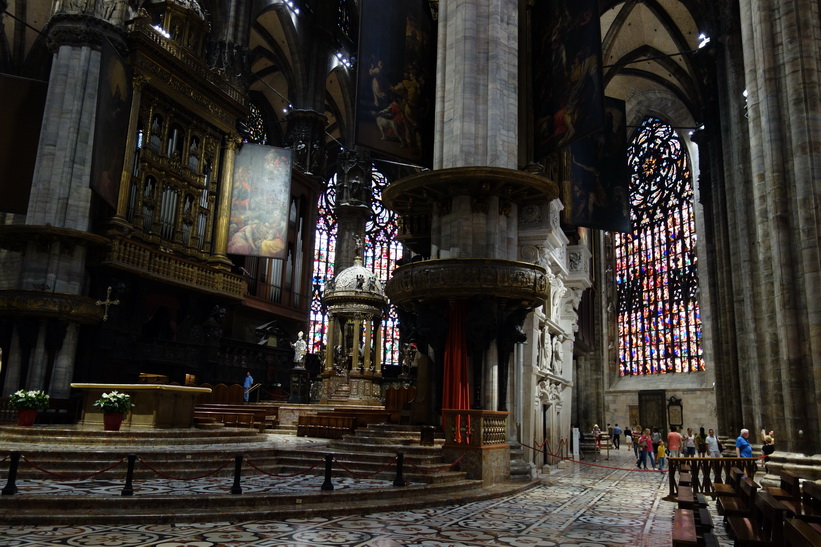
60,510
91,436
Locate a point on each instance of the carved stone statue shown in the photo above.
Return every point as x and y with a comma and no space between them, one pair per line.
300,349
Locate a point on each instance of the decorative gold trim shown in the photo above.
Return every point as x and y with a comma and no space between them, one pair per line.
68,307
468,277
169,268
418,193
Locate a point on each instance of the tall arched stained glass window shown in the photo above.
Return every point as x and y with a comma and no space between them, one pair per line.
659,323
381,251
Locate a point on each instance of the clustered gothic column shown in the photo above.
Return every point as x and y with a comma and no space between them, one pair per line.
779,329
52,268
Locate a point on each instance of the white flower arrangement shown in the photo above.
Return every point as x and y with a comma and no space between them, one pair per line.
29,400
114,401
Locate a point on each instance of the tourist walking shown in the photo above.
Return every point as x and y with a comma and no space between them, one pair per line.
711,440
660,456
628,437
646,447
636,436
690,443
616,436
743,448
701,443
674,443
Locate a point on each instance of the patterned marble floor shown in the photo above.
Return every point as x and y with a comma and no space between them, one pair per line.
589,504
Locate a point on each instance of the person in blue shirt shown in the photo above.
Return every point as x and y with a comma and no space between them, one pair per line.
616,436
743,449
249,381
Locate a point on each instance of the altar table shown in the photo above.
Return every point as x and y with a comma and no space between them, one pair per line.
155,405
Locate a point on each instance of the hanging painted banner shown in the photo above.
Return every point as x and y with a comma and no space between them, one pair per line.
260,201
568,95
111,127
23,102
395,83
599,174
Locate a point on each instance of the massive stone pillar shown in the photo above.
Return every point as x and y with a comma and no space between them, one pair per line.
782,373
54,241
472,198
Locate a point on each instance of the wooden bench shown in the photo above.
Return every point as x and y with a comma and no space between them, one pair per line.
741,505
789,487
730,488
798,533
263,415
327,427
684,528
361,417
687,500
808,506
232,419
704,522
765,526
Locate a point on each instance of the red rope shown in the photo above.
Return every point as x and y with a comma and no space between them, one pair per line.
587,463
355,474
173,478
434,470
285,476
63,476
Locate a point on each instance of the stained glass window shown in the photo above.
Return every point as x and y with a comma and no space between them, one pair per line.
381,252
659,322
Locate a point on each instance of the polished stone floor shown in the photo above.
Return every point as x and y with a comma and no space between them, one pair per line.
589,504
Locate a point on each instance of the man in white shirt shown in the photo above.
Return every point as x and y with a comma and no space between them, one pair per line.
712,445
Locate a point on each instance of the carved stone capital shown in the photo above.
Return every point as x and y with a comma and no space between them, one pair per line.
67,29
520,282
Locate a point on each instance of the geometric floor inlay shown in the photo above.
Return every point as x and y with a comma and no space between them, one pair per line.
581,505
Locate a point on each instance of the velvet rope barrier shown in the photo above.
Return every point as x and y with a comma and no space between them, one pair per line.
437,469
283,476
549,453
356,474
171,477
70,477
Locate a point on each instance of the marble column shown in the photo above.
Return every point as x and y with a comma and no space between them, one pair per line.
782,45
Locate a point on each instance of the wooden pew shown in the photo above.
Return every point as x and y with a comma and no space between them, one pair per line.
789,487
741,505
808,506
731,487
361,417
765,526
684,528
798,533
328,427
263,415
228,418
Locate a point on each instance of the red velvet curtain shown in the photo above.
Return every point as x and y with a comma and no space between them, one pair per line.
456,388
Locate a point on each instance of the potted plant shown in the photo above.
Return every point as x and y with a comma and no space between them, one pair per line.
27,403
114,406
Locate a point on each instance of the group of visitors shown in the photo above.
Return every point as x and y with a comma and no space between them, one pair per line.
649,445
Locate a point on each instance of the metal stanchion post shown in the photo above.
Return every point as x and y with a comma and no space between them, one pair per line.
329,462
128,489
400,462
236,488
11,484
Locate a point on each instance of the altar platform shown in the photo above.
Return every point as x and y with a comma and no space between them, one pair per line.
155,405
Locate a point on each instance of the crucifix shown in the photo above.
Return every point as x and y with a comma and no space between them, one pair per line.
107,302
